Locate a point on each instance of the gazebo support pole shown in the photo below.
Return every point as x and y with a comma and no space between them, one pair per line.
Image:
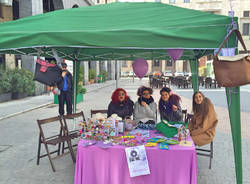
117,73
76,70
194,65
233,101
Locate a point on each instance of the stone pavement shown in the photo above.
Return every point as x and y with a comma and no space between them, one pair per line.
16,107
19,138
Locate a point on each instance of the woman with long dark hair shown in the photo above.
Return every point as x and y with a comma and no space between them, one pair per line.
203,124
145,108
121,104
169,105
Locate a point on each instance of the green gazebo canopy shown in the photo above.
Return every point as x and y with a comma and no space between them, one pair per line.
120,31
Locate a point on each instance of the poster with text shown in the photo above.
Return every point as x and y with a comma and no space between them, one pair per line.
137,161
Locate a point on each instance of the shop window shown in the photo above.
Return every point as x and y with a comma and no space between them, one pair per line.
171,1
75,6
48,6
169,63
231,13
124,63
186,1
156,62
2,62
246,27
246,13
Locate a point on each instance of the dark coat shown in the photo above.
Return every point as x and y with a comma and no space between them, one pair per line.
60,84
168,114
121,109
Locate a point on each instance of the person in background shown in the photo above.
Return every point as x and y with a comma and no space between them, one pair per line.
145,108
169,105
203,124
121,104
65,87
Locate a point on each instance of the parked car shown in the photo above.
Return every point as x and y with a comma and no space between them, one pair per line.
131,73
168,73
187,74
178,74
124,74
156,73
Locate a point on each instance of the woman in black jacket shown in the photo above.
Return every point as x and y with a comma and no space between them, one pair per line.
120,104
169,105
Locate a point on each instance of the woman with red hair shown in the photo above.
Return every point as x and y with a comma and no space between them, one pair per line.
121,104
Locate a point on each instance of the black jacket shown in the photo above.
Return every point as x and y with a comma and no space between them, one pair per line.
60,84
121,109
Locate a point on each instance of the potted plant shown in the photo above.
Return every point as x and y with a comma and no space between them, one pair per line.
80,91
105,75
5,86
92,76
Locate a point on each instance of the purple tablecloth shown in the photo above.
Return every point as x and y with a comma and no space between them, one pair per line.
96,165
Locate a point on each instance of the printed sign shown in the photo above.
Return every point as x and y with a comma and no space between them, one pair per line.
137,161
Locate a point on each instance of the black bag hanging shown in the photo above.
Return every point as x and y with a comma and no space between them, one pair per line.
47,73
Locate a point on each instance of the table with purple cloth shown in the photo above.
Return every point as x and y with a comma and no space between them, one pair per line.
96,165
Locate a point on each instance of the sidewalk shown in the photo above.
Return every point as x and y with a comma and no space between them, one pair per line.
16,107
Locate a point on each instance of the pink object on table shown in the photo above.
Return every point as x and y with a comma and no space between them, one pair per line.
95,165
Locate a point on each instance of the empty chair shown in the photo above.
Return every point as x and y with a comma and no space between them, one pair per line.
73,119
45,137
184,112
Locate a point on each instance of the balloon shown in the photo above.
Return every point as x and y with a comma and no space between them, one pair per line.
175,54
140,67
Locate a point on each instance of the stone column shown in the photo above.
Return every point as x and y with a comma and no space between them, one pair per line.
103,66
111,70
163,66
86,72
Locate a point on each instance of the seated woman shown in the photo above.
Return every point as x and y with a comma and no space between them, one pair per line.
169,105
202,125
145,108
120,104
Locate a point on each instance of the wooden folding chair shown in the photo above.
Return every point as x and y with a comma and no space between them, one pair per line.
103,111
54,140
185,115
73,133
201,151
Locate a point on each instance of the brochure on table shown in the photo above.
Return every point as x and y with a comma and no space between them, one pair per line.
137,161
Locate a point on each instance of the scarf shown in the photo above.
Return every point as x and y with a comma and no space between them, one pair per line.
147,100
165,106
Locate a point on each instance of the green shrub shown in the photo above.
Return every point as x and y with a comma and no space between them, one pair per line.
92,74
17,81
82,90
29,84
5,83
21,81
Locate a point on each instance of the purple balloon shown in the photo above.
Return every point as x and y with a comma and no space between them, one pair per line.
175,54
140,67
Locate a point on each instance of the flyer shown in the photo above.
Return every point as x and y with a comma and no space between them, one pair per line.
137,161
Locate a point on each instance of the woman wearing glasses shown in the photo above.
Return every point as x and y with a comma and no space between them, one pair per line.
169,105
145,108
120,104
